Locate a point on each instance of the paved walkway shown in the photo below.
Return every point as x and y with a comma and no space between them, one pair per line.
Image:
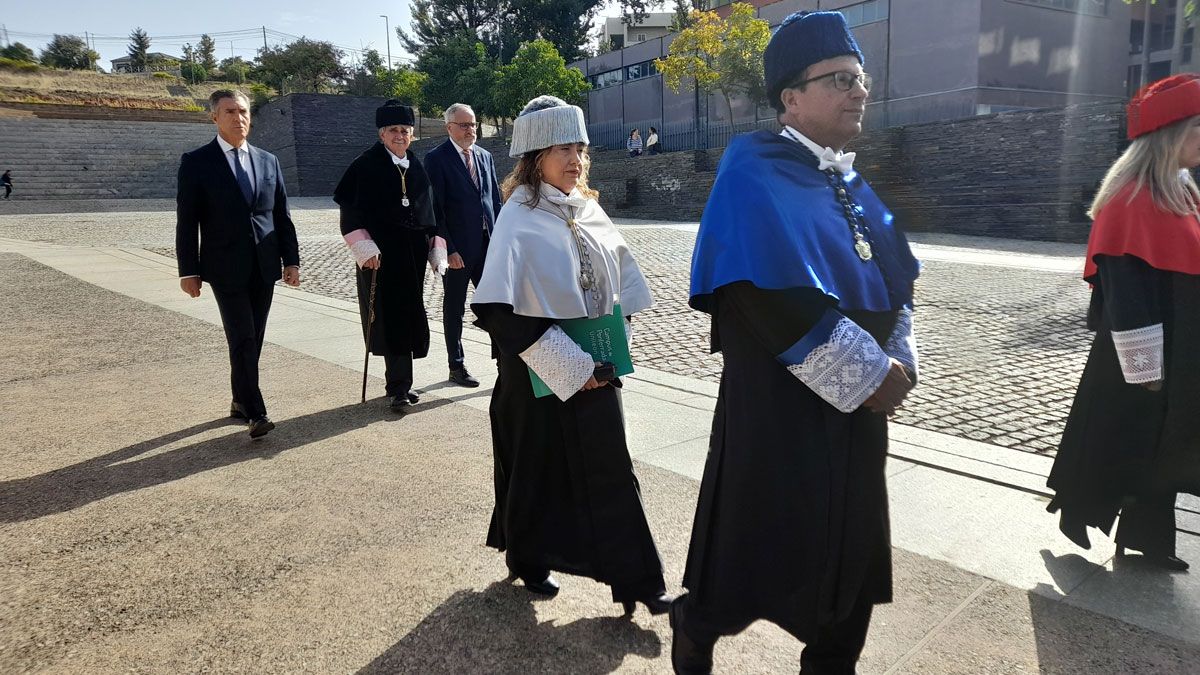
138,531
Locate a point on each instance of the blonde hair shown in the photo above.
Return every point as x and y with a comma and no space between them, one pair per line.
1152,162
528,172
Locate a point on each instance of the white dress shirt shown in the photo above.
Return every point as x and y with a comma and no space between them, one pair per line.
826,156
243,156
402,162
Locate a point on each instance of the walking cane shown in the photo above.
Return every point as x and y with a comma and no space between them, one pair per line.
370,323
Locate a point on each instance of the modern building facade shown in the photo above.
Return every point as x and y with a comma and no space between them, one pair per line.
619,34
930,59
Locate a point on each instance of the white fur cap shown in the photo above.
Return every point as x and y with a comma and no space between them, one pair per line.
547,121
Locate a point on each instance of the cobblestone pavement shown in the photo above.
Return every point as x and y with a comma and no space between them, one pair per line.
1001,348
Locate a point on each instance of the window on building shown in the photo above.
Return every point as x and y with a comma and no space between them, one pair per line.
1093,7
641,37
606,79
618,41
640,70
1189,36
865,12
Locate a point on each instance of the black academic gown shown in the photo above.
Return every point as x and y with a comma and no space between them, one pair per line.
369,195
1125,449
792,522
567,499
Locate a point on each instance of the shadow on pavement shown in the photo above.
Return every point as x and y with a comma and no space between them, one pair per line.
496,631
121,471
1071,638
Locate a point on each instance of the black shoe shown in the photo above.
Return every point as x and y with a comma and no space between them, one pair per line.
237,412
658,604
687,656
1167,562
547,587
413,398
462,378
260,426
399,402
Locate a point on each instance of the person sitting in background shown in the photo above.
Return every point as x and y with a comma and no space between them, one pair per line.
652,146
634,144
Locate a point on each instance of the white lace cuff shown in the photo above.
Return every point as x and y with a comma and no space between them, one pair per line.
902,344
363,251
1140,352
562,364
839,361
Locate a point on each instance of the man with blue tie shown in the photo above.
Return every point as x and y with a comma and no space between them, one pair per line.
233,230
467,198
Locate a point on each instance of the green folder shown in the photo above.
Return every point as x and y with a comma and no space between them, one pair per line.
603,338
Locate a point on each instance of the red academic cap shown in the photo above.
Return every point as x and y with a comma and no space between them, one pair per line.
1163,102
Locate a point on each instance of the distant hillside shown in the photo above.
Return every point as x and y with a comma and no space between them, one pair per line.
76,87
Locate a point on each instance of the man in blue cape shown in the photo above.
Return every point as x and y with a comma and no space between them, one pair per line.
809,285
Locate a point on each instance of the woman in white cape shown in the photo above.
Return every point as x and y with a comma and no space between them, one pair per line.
567,499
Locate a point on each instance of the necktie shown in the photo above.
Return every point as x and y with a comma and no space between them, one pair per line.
243,179
471,168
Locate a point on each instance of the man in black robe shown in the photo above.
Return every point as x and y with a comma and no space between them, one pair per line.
809,285
387,220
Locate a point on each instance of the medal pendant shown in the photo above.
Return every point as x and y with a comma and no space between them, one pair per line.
404,201
585,282
863,249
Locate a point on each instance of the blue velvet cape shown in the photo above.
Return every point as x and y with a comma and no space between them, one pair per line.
774,220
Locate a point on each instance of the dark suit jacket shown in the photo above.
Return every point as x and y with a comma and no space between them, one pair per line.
462,209
210,204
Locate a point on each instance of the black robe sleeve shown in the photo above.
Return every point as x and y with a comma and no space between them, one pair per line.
511,333
1127,294
777,318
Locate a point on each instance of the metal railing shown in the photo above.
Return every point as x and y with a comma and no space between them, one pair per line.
672,136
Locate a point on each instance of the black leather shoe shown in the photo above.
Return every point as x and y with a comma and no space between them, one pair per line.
462,378
658,604
687,657
399,402
237,412
260,426
547,587
413,398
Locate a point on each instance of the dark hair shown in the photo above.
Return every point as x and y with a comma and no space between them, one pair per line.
215,97
795,83
653,130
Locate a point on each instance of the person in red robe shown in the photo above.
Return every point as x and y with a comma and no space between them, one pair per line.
1131,442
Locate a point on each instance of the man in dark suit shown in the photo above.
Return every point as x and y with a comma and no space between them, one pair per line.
467,198
233,230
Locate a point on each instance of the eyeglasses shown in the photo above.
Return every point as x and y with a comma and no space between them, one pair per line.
465,125
843,80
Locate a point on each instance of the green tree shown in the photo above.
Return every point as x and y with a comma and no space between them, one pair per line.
403,84
18,52
304,65
139,50
564,23
193,72
69,52
723,55
206,53
445,65
435,23
189,53
536,69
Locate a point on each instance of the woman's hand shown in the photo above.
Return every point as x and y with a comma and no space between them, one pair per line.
372,264
593,384
1153,386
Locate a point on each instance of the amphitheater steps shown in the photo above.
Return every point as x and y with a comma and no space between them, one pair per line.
95,159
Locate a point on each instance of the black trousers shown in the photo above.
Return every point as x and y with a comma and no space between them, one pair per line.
834,650
7,191
1148,525
244,317
454,306
398,373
